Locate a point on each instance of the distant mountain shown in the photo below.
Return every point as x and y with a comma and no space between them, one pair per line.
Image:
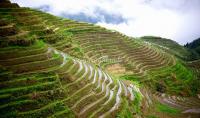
194,45
171,47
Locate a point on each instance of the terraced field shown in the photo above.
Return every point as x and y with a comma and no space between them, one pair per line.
56,67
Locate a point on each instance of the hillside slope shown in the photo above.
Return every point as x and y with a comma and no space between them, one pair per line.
55,67
170,46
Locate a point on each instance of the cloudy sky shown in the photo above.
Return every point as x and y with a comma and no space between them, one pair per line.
175,19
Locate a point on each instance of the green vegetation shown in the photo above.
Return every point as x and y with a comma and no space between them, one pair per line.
167,109
125,113
130,77
169,46
176,80
55,55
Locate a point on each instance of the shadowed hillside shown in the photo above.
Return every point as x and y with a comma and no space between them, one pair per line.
195,46
56,67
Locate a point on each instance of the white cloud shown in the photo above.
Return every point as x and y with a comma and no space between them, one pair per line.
149,23
174,19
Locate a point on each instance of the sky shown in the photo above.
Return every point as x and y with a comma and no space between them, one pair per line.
178,20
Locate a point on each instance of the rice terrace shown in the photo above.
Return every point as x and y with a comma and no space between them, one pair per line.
52,66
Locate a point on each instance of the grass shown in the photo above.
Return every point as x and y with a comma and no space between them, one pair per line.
125,113
167,109
15,105
173,47
37,44
177,79
133,79
55,55
137,102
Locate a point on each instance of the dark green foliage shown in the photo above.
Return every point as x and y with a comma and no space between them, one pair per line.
8,31
4,1
195,47
22,41
8,5
5,74
42,32
3,22
52,38
194,44
160,88
18,41
151,37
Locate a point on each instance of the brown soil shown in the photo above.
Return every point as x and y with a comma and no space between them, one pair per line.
151,110
116,69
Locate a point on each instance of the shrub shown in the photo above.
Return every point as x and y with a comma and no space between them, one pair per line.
3,22
9,5
8,31
160,88
22,41
52,39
